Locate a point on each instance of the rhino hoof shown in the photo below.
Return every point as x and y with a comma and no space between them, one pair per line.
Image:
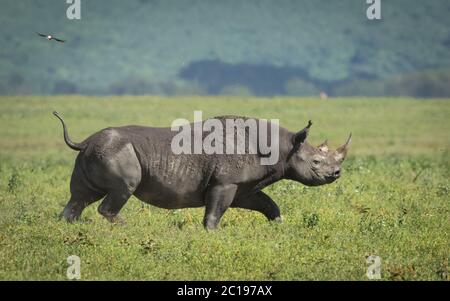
278,219
117,219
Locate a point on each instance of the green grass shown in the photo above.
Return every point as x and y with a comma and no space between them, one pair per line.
392,201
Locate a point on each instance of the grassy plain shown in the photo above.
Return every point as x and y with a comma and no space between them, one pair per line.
392,201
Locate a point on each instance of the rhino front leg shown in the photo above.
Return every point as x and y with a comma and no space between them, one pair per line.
218,199
260,202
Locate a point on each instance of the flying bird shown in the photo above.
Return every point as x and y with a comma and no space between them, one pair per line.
50,37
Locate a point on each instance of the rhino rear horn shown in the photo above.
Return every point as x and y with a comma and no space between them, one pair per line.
324,146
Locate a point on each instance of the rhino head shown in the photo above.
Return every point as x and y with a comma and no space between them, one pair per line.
311,165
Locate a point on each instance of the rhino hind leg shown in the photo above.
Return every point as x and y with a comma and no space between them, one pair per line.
218,199
121,179
112,203
260,202
121,185
82,195
77,203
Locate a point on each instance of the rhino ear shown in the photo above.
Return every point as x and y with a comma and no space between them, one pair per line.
324,146
342,151
301,136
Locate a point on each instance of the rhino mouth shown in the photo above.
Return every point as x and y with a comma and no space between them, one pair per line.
331,179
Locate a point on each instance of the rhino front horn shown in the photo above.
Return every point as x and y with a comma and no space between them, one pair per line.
342,151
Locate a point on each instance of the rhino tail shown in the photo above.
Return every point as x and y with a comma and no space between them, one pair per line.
72,145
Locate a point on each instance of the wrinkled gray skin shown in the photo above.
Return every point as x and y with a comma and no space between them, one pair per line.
118,162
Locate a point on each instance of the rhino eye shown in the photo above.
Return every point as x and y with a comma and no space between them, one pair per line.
315,161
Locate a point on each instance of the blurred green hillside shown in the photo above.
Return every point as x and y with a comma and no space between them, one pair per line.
262,47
